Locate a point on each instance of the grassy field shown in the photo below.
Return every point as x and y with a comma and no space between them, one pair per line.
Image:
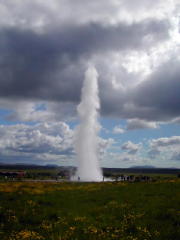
87,211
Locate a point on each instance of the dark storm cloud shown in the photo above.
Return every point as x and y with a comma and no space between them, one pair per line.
155,99
36,66
50,65
160,93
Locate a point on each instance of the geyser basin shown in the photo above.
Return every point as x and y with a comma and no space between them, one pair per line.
86,142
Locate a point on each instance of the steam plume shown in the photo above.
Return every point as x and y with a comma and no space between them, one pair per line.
87,131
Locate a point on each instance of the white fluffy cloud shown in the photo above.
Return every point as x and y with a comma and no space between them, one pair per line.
36,141
131,147
42,142
165,142
104,145
175,156
169,147
37,110
118,130
134,124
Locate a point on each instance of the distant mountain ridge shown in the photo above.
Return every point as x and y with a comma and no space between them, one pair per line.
133,169
143,166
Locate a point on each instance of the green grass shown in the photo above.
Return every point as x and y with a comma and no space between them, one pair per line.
89,211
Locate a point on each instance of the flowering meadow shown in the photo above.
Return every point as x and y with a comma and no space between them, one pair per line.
90,211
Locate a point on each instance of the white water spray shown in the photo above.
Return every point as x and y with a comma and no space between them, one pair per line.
87,131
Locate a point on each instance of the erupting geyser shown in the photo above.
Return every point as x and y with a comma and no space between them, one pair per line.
87,132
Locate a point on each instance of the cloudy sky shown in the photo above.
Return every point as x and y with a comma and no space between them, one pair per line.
45,48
